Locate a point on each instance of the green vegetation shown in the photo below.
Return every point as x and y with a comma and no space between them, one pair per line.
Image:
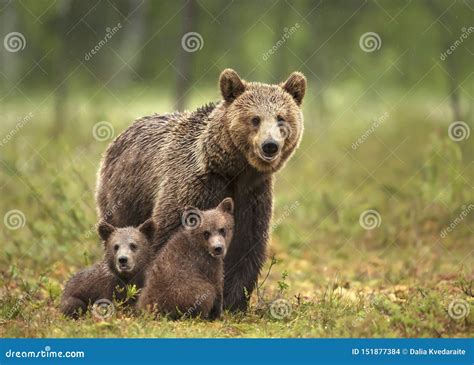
340,279
376,139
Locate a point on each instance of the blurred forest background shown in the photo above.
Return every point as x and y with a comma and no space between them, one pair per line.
388,118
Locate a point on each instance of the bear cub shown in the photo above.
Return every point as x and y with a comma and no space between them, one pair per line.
127,253
186,279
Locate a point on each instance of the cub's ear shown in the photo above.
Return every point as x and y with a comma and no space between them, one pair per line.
295,85
231,85
227,206
105,230
148,228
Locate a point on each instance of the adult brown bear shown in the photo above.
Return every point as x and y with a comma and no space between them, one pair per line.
163,163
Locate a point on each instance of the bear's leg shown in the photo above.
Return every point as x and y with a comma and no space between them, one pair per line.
247,250
216,310
73,307
239,285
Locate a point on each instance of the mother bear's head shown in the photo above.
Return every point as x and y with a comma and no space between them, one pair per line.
265,122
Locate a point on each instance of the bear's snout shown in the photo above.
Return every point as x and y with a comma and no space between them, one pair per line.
217,249
270,148
124,264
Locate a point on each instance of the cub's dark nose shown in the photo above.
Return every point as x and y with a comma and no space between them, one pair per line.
217,250
270,148
122,260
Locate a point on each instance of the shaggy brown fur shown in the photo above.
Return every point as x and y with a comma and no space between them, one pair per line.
163,163
127,254
187,276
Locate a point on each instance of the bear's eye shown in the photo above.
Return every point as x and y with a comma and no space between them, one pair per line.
207,234
133,246
222,232
256,121
280,118
116,247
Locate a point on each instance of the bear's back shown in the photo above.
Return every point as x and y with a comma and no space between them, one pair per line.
93,283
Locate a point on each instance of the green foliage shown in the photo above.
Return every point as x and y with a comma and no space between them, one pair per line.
282,285
132,292
396,280
146,51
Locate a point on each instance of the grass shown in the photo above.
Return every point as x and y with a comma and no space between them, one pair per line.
334,278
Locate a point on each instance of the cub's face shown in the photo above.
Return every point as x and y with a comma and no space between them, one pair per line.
211,229
128,249
265,121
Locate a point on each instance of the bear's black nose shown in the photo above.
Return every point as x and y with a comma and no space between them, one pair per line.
123,260
218,249
270,148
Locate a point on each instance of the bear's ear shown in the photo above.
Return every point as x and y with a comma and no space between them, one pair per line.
231,85
295,85
148,228
227,206
105,230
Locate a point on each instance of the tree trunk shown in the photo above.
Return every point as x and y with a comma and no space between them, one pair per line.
10,66
184,59
132,41
453,87
61,67
449,65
